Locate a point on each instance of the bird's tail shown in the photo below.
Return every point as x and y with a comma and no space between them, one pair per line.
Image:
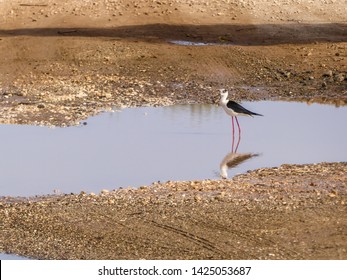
256,114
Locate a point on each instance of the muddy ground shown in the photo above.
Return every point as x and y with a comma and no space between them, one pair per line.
62,62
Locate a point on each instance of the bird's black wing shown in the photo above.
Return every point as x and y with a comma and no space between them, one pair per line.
239,109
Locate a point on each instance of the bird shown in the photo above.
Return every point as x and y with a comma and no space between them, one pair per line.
234,109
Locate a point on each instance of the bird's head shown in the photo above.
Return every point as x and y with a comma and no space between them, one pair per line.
223,93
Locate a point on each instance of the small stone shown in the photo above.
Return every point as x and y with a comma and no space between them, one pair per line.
339,77
222,194
328,73
40,106
197,198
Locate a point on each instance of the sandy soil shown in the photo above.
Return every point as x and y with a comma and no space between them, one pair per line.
291,212
62,62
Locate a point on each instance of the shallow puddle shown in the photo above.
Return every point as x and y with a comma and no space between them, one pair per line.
192,43
138,146
12,257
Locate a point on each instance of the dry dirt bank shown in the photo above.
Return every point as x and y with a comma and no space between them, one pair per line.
291,212
61,62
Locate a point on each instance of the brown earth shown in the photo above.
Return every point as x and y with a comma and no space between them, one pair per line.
62,62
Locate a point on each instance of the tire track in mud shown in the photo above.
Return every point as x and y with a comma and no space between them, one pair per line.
231,247
248,237
200,241
219,69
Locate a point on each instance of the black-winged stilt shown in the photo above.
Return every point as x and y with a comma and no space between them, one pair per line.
234,109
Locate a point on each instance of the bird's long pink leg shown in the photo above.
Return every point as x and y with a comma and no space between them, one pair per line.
233,136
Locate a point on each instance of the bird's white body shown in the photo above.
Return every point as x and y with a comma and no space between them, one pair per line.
224,101
232,108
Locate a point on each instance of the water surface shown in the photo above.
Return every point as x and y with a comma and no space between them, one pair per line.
12,257
192,43
138,146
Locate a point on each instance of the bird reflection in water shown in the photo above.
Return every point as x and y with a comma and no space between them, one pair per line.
232,160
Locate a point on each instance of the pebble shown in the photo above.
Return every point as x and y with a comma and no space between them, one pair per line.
328,73
339,77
